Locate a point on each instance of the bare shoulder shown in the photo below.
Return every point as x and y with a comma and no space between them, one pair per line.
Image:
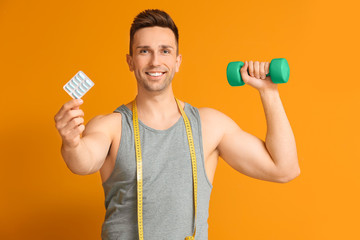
215,125
212,118
210,112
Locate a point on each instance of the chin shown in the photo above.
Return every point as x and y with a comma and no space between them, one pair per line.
156,88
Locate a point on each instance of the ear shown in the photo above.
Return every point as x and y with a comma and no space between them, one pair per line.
178,62
129,60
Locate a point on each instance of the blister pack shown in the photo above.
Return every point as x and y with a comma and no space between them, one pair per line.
78,85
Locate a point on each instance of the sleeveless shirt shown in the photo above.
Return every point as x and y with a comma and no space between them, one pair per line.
168,201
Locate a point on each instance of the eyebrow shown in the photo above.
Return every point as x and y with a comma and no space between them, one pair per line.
161,46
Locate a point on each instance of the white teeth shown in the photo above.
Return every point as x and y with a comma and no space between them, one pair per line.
155,74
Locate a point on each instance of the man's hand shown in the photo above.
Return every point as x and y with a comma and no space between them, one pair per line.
69,122
257,75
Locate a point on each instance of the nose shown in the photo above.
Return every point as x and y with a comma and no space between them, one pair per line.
155,60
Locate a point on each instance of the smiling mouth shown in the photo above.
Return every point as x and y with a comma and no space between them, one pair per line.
155,74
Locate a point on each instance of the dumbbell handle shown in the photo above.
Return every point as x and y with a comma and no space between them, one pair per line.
279,71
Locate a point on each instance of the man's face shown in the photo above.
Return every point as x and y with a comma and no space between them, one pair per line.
154,59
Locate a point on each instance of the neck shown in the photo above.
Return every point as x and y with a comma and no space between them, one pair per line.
156,105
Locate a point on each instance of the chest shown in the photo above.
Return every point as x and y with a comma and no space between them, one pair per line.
162,153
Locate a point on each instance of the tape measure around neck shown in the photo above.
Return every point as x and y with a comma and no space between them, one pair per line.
139,167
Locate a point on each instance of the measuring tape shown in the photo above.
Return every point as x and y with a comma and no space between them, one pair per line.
139,167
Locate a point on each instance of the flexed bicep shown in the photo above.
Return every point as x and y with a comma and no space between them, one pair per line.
244,152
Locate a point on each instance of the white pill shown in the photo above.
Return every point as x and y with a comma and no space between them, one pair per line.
88,83
75,83
81,90
71,85
79,94
78,79
67,88
83,85
82,75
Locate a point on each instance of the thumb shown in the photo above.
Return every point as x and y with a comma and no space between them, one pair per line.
244,72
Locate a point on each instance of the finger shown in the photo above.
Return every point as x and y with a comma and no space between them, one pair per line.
73,136
76,132
262,70
267,68
257,69
244,68
80,129
68,130
244,72
251,68
68,116
74,103
75,123
71,114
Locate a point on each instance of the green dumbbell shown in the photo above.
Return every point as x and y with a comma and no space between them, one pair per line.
279,71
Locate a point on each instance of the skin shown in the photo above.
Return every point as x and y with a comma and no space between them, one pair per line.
93,148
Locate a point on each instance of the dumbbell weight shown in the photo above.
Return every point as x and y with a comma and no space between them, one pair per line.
279,72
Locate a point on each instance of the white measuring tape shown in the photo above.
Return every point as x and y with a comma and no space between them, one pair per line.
139,167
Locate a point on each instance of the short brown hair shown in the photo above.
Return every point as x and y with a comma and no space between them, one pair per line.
152,18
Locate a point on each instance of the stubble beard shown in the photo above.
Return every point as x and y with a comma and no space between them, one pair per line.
156,87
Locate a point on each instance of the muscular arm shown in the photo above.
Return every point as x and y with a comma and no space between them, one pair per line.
89,155
273,160
244,152
280,140
84,154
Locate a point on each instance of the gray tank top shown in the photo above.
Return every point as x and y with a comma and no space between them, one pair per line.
168,201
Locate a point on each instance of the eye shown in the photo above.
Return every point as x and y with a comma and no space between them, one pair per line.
166,51
143,51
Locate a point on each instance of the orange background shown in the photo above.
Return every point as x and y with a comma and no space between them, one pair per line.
44,43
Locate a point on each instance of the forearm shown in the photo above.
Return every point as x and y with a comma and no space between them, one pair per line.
78,159
280,140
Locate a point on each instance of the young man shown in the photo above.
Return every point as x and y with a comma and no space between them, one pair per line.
107,143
